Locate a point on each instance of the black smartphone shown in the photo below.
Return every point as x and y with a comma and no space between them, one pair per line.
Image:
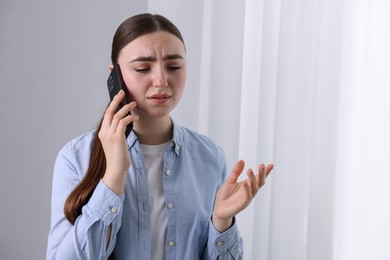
114,84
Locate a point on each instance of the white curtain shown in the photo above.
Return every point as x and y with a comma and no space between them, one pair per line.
303,84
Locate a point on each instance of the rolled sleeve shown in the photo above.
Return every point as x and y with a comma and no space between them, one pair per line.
87,238
105,205
226,245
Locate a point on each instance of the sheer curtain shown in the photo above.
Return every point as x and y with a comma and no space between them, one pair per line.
303,84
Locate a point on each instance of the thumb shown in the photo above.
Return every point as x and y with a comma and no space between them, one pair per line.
236,172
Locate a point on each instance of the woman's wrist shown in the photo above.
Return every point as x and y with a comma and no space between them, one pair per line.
222,224
115,183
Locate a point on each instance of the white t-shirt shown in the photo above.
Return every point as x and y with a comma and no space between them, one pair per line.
153,160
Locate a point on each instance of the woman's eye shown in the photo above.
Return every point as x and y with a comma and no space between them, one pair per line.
142,70
174,68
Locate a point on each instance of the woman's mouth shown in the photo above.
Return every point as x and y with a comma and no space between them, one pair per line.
159,98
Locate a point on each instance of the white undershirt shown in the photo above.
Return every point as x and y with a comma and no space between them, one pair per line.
153,159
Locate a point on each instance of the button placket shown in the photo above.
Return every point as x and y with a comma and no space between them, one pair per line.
169,194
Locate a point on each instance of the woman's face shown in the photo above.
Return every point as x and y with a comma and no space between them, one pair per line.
154,70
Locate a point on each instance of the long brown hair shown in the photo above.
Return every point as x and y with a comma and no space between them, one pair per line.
128,31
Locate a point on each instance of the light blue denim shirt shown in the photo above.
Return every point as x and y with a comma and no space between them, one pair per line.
194,168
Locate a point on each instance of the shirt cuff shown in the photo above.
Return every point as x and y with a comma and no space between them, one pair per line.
105,204
222,242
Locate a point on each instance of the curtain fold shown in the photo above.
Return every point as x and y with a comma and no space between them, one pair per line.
362,211
303,84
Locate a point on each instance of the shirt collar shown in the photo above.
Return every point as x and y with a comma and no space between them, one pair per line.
177,139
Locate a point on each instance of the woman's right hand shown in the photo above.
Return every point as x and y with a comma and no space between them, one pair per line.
112,137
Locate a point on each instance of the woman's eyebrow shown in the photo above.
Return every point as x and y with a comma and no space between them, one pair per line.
173,57
151,58
144,58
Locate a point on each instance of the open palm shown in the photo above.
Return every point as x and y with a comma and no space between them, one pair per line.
234,196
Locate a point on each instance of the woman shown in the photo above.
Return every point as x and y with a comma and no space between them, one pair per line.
160,192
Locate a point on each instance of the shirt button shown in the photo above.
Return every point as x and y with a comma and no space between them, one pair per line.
114,210
170,205
219,243
171,243
168,172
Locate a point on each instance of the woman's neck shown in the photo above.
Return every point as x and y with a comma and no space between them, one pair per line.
153,131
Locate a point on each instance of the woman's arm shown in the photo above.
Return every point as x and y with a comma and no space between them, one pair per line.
93,234
112,136
87,238
233,197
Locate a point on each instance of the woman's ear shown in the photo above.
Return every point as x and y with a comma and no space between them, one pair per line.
111,67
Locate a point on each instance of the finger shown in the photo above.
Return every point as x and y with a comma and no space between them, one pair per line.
125,121
237,170
122,113
252,181
111,109
247,195
261,175
268,169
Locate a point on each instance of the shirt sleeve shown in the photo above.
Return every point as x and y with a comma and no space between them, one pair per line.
87,238
229,244
224,246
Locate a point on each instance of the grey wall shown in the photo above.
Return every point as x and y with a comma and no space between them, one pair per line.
54,58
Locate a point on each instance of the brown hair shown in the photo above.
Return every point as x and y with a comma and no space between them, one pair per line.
128,31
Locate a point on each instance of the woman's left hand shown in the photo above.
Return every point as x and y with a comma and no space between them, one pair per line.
233,196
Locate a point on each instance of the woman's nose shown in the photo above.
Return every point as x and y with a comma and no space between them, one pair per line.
160,78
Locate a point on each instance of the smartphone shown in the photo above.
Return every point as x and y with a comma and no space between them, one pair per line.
114,84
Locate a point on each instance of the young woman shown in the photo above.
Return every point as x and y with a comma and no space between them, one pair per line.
162,192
